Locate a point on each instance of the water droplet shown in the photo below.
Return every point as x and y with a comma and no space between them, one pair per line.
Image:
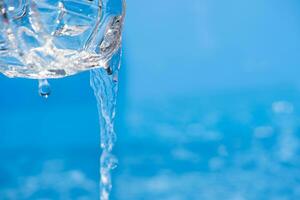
44,88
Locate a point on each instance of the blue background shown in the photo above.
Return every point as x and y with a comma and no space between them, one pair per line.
208,108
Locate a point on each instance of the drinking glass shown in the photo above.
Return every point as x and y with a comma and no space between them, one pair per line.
41,39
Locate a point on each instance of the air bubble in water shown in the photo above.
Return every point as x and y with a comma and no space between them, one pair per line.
44,88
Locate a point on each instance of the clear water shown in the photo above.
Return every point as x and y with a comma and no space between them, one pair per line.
214,116
105,89
53,39
44,88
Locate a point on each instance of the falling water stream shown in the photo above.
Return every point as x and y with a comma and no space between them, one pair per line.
105,86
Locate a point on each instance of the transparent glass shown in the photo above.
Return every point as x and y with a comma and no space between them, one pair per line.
43,39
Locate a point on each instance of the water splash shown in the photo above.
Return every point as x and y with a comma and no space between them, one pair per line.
105,89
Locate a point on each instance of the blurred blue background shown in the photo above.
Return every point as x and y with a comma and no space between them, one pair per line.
208,108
